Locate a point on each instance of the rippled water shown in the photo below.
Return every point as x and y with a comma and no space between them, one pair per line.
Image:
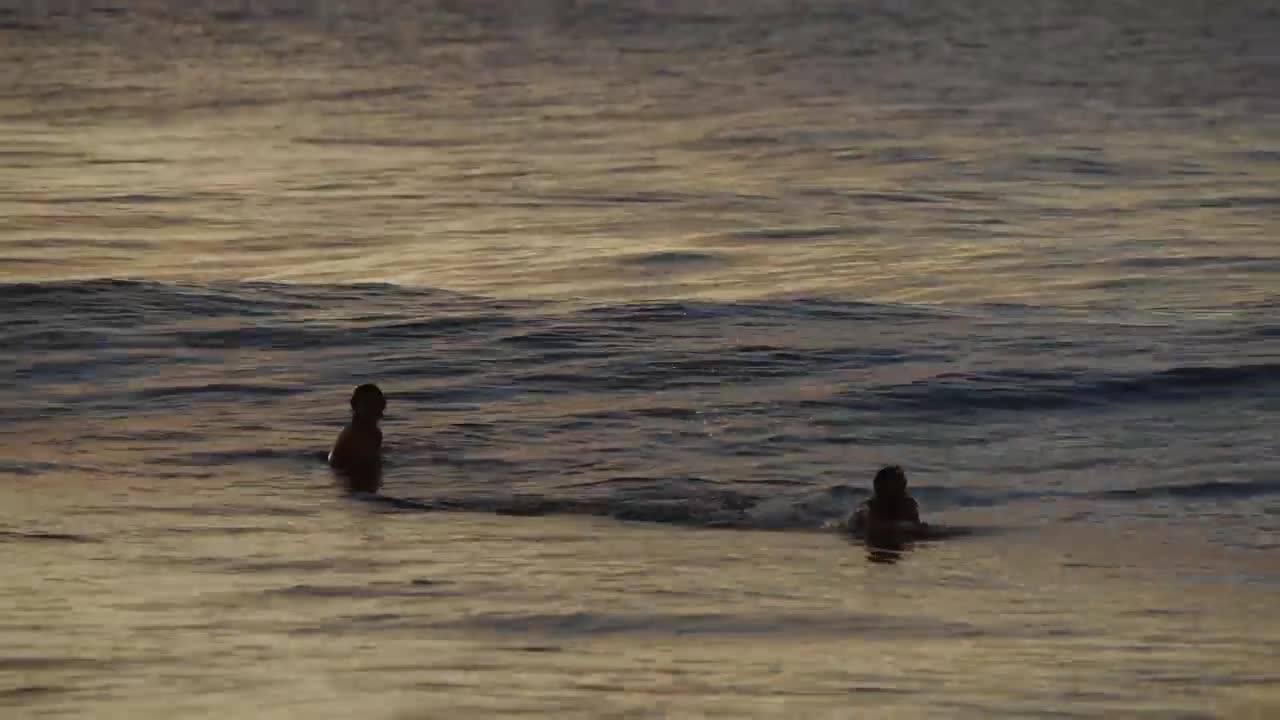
653,289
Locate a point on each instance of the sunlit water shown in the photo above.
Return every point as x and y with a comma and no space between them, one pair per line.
653,289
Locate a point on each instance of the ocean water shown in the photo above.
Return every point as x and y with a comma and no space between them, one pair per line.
653,289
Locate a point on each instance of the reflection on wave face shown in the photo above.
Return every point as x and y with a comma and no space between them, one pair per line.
1110,156
765,414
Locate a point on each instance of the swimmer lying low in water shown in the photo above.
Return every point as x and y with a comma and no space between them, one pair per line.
357,453
890,511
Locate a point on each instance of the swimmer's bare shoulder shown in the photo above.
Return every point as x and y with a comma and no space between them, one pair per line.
356,447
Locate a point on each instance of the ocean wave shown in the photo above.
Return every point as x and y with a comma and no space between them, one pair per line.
122,295
129,300
771,235
1210,490
639,346
649,500
42,536
33,469
695,413
654,501
672,261
237,390
353,592
779,310
720,624
216,458
1023,390
98,314
387,310
694,512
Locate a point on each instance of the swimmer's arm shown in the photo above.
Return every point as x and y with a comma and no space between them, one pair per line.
913,512
912,523
349,449
341,449
858,520
353,449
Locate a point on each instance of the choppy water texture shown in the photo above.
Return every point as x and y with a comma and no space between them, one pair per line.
654,288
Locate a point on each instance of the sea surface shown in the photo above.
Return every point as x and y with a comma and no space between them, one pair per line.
653,289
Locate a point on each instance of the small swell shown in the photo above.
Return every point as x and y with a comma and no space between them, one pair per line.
234,390
1223,202
788,310
676,511
442,326
1190,380
379,142
1212,490
134,199
671,260
298,336
1071,165
1027,390
37,536
795,234
578,339
33,469
129,304
248,455
894,197
28,691
28,664
596,623
810,510
591,199
372,590
1245,261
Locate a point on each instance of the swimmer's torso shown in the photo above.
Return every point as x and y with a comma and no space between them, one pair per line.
357,454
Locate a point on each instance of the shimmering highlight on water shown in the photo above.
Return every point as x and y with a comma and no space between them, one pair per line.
653,288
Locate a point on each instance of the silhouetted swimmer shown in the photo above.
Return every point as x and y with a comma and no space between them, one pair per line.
890,515
357,453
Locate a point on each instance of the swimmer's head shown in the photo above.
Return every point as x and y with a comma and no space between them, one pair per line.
891,481
368,402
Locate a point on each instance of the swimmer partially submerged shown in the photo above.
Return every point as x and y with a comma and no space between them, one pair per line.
890,513
889,516
357,453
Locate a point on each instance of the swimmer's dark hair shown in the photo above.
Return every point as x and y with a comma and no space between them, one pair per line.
890,481
370,390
